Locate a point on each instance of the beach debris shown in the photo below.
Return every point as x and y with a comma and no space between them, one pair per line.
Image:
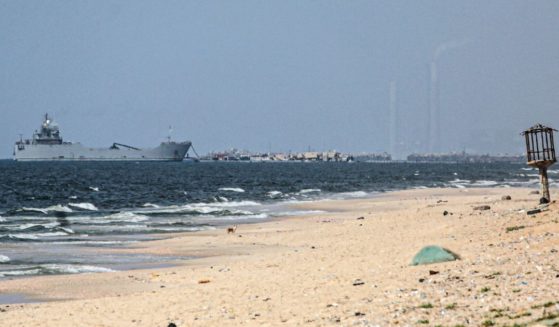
231,230
506,197
358,282
203,281
360,218
514,228
442,201
533,211
359,314
535,192
482,208
433,272
433,254
493,275
171,324
445,213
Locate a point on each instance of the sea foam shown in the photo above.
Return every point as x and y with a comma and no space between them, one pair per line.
84,206
232,189
54,269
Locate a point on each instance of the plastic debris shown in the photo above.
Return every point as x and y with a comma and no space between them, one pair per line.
433,254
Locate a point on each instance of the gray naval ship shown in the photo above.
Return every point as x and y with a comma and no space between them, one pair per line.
47,145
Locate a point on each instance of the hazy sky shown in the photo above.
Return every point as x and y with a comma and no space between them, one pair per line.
280,74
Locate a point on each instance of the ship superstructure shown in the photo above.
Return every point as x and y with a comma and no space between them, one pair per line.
48,145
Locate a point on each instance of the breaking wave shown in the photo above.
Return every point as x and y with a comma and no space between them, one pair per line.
232,189
22,237
119,217
84,206
52,209
274,194
53,269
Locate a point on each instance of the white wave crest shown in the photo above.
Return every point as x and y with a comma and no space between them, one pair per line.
66,230
356,194
75,269
59,208
25,272
125,216
228,204
274,194
232,189
84,206
201,208
150,205
4,259
53,234
27,226
484,183
94,189
21,236
33,236
55,208
50,269
27,209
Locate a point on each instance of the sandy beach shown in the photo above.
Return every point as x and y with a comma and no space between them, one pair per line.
347,266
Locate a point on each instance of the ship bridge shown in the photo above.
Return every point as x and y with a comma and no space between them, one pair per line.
48,133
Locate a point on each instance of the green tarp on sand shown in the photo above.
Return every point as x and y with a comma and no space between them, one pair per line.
433,254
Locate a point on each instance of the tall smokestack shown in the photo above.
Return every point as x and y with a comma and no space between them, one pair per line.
434,111
393,119
434,114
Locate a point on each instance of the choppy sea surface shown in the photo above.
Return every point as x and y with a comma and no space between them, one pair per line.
62,218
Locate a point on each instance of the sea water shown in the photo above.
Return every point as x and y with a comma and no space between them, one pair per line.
63,217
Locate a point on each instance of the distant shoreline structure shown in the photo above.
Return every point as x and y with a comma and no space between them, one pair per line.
234,155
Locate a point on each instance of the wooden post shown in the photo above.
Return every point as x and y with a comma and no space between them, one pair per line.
545,186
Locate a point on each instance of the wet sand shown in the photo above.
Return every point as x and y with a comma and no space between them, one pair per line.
329,269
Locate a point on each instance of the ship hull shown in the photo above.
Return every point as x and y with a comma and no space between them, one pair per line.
168,151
